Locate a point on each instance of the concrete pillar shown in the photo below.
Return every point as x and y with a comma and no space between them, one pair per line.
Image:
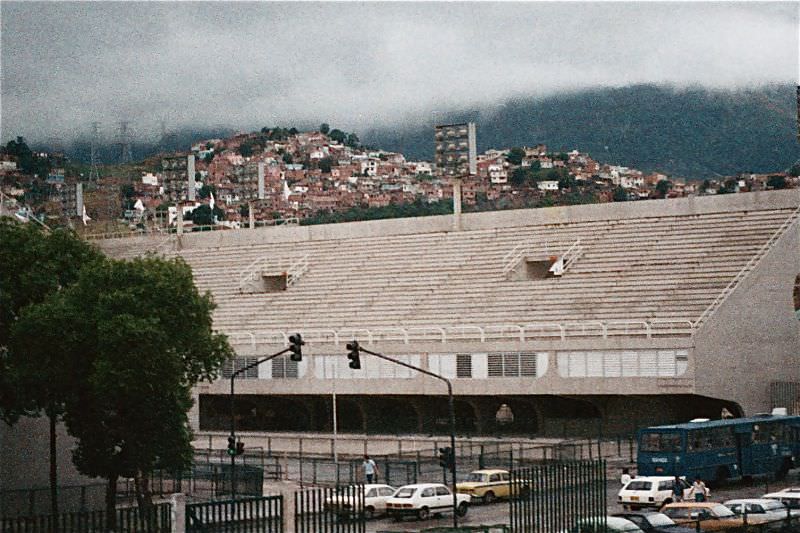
251,215
178,513
260,180
79,200
457,204
180,219
190,175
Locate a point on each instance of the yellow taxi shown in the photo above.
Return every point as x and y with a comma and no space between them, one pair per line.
486,485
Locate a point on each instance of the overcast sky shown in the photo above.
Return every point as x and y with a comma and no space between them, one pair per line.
359,65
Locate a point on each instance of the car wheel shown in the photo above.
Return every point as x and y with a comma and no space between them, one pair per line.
462,509
369,512
423,514
489,497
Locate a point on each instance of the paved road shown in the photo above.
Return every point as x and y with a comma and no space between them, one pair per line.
498,513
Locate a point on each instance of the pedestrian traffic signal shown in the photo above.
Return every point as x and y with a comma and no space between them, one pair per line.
446,457
296,347
354,355
239,448
231,445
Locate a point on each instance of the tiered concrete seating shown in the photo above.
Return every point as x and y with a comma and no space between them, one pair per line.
660,268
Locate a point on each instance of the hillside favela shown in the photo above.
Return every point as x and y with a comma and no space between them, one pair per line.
457,267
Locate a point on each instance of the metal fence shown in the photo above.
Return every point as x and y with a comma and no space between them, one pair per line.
557,496
263,515
330,510
129,520
495,528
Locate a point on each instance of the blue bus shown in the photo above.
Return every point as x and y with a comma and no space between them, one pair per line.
721,450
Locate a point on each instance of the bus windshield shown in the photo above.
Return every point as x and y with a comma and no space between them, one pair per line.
660,442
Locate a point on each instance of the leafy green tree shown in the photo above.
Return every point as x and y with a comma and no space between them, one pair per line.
325,165
794,171
776,181
519,176
566,181
33,266
338,136
662,188
324,128
246,149
287,158
620,194
140,335
293,131
352,140
515,155
206,191
705,185
209,157
204,216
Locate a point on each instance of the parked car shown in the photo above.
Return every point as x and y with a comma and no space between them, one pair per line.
654,522
760,510
375,497
649,491
789,497
486,485
713,516
604,524
423,500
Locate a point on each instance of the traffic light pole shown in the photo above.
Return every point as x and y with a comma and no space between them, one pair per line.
233,417
452,413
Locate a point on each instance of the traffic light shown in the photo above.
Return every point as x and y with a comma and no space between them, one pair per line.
239,448
231,446
296,347
446,457
354,355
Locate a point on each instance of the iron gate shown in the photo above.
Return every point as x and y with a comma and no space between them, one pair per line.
261,514
330,510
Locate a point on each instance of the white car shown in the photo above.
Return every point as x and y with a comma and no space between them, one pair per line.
789,497
649,491
759,510
604,524
375,497
423,500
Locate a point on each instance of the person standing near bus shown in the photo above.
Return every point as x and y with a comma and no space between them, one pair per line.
677,489
625,478
699,490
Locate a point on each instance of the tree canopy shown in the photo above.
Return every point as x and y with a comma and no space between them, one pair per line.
515,155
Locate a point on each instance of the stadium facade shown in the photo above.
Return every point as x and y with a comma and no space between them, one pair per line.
578,319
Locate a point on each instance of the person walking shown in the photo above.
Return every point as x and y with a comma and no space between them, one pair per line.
625,478
699,490
370,469
677,489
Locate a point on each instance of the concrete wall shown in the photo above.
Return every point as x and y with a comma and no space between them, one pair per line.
25,456
754,337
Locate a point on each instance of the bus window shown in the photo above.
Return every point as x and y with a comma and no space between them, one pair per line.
661,442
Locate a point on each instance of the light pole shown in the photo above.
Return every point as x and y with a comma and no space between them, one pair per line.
354,348
296,343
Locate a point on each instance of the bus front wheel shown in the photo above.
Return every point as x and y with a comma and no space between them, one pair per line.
721,477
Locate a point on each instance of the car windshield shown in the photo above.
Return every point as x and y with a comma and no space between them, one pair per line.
404,492
660,520
474,477
722,511
638,485
773,506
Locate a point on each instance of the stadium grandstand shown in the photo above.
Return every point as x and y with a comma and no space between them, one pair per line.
608,316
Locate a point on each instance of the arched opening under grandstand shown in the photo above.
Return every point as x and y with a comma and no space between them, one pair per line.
254,413
388,415
349,414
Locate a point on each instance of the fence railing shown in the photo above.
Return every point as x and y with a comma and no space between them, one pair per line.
262,515
557,496
330,510
129,520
